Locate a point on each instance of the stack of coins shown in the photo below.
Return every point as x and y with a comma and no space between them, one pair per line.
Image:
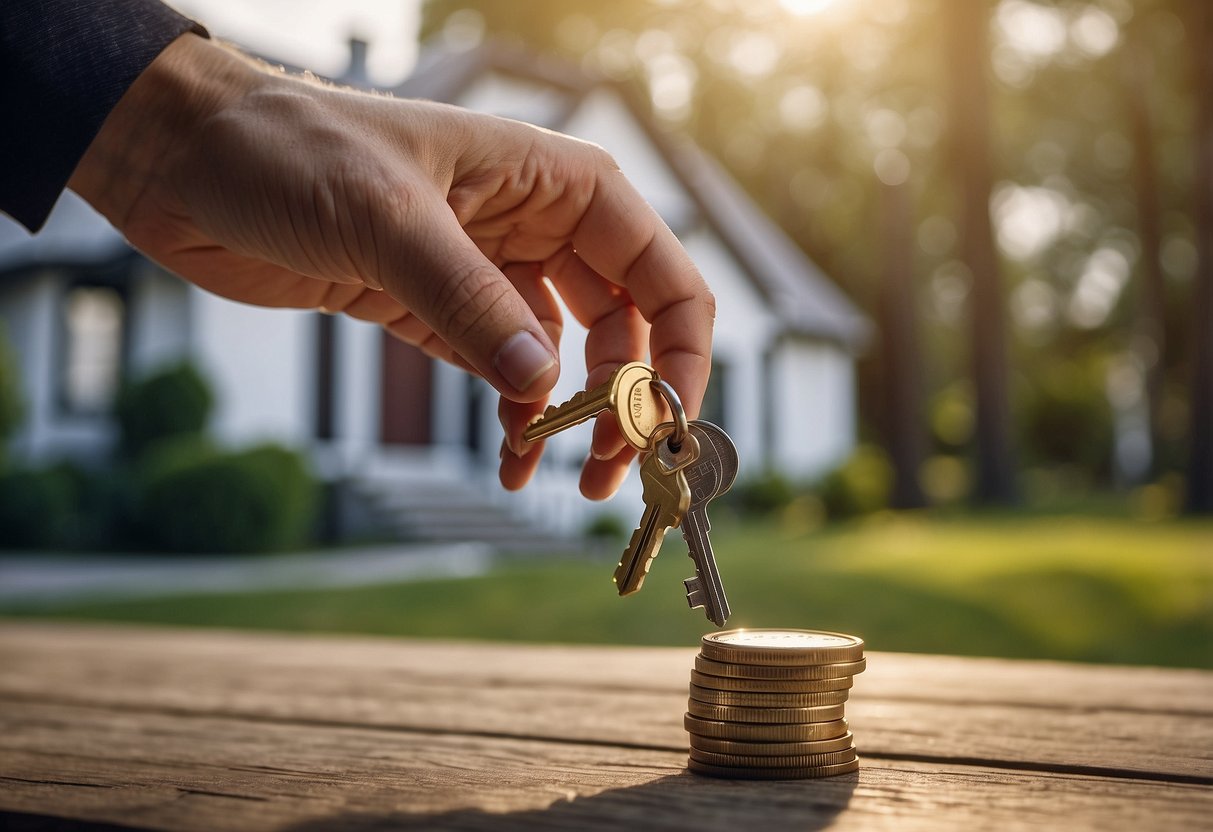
769,704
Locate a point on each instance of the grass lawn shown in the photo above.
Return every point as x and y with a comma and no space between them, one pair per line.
1074,588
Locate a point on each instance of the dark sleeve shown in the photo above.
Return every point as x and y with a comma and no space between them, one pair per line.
63,66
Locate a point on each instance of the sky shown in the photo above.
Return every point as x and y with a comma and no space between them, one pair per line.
314,33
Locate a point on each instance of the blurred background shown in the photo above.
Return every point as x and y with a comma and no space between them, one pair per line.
964,252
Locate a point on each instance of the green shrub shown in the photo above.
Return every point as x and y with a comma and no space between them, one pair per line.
11,407
607,527
764,494
172,402
194,498
36,508
860,486
101,506
1065,416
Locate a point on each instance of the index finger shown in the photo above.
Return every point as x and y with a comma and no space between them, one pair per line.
623,239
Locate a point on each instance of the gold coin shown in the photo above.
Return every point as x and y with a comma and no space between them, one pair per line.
771,749
830,758
705,680
751,732
801,773
782,647
833,670
783,716
750,699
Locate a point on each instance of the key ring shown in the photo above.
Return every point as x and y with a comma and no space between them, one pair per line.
680,416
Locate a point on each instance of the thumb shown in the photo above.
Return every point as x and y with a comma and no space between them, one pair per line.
445,280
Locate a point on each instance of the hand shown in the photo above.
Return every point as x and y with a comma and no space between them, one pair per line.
437,223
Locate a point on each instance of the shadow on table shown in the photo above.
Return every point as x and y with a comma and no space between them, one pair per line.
679,802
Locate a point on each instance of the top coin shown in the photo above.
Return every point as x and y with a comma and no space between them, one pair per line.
781,647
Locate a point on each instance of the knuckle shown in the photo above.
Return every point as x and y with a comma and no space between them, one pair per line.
465,299
602,158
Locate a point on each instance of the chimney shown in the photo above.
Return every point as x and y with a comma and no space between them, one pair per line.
356,73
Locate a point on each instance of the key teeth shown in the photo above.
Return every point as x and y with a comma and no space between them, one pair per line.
695,596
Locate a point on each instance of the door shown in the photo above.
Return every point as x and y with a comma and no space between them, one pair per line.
406,394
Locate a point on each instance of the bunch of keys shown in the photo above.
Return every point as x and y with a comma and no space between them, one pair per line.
684,467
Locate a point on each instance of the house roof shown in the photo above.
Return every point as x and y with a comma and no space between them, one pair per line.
74,234
800,295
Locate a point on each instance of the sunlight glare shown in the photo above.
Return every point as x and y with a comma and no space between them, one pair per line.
1028,219
803,8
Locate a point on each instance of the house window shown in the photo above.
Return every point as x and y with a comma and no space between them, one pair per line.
713,409
474,423
326,376
94,320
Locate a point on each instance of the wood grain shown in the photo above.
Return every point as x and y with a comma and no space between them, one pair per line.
179,729
200,773
996,712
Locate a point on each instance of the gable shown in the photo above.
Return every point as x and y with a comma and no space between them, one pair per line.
74,233
603,118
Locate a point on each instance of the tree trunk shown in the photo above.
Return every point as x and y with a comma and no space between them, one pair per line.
1200,468
1152,291
967,24
901,357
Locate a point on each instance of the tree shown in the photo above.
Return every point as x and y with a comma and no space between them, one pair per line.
968,21
1139,78
901,358
1200,470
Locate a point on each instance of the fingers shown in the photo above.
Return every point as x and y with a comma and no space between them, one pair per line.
621,238
600,478
528,280
431,265
518,466
616,334
383,309
519,458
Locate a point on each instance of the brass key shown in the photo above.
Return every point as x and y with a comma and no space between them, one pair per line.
666,498
628,393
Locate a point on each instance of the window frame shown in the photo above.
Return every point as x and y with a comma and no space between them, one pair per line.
114,277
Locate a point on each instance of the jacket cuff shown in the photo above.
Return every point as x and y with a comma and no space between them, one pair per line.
66,63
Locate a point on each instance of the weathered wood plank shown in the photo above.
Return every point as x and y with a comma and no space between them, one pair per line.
889,675
204,773
991,712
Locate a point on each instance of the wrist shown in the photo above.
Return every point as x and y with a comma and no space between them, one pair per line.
153,122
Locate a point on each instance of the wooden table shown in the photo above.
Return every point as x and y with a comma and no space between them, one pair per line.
119,728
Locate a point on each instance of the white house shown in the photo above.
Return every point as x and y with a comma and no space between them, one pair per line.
82,310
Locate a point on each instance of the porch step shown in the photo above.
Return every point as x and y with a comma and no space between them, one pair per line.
451,511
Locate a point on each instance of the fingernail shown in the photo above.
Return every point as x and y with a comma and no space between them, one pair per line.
522,359
600,446
371,283
505,430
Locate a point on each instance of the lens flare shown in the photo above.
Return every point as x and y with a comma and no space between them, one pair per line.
807,7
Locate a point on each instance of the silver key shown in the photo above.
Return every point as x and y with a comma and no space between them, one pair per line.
707,478
666,498
628,393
